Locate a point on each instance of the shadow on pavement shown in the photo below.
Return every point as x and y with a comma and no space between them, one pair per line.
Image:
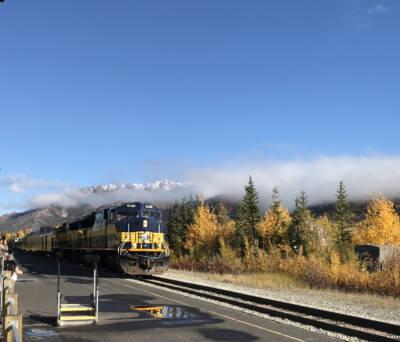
34,318
122,302
45,265
77,280
139,323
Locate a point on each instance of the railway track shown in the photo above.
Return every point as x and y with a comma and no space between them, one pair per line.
362,328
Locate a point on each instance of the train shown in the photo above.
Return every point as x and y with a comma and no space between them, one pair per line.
128,237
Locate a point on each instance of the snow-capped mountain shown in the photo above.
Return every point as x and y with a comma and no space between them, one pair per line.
166,185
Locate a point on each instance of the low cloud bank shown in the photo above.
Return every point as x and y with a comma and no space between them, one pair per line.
20,183
154,192
319,178
362,176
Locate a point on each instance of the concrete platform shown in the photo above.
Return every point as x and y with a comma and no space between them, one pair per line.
121,313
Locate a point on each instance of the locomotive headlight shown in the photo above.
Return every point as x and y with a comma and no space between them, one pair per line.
145,237
145,223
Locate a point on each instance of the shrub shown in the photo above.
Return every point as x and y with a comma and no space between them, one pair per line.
314,271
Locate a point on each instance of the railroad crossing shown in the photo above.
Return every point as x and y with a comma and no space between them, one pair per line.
131,311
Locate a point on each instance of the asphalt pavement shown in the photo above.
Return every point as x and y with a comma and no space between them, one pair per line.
133,312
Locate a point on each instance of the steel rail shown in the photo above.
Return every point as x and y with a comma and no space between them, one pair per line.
15,333
11,302
323,319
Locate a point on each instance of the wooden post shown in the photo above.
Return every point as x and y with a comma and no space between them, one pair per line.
7,282
8,331
6,291
4,275
7,275
7,307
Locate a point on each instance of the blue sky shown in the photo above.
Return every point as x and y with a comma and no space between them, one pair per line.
134,91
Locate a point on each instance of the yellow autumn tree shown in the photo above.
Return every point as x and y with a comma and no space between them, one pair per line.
202,235
226,232
8,236
20,234
226,226
381,225
273,226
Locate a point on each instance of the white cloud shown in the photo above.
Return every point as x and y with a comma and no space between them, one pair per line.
380,8
319,178
20,183
70,197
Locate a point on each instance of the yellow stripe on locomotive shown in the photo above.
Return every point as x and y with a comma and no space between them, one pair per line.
142,241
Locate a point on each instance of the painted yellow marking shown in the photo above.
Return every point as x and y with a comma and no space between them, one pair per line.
142,250
71,309
77,318
75,305
146,308
217,314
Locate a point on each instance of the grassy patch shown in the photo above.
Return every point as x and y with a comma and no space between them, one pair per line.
274,281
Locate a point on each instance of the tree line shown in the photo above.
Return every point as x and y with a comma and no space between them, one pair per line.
195,228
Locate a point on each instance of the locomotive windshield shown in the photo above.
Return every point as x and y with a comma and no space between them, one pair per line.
123,213
153,213
138,217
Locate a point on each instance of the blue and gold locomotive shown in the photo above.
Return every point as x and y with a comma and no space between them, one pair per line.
129,236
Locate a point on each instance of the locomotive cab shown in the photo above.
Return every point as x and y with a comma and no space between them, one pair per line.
140,227
141,235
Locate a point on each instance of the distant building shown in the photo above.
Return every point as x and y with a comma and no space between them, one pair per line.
375,256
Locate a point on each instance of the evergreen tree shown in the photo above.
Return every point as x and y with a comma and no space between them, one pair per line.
198,202
180,217
184,211
234,212
191,202
222,214
300,228
174,228
187,212
191,211
343,220
276,203
276,209
248,217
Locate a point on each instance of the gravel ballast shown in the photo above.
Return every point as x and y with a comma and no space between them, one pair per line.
360,305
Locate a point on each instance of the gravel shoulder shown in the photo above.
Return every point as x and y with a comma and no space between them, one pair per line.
363,305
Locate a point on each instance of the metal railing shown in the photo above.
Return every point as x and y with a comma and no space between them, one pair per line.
11,302
15,333
94,297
